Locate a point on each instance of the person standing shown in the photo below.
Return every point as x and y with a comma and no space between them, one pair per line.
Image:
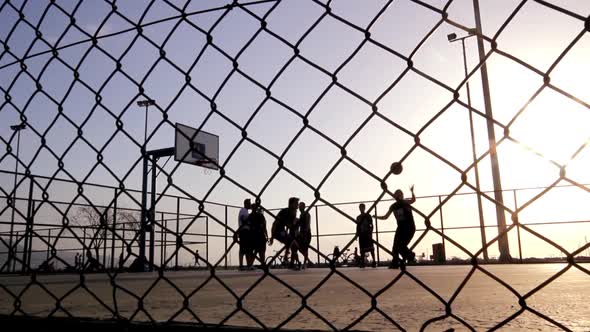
77,262
304,233
406,227
197,257
364,232
257,223
243,232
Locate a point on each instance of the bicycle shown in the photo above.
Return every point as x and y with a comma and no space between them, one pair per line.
342,259
348,259
281,261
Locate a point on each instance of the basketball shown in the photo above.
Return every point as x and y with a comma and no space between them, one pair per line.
396,168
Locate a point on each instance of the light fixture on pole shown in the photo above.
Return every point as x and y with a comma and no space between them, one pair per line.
145,217
503,244
146,103
452,37
16,128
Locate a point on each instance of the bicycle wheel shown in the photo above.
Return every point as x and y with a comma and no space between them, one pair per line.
269,260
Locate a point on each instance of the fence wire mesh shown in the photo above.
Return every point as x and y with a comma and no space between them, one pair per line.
32,68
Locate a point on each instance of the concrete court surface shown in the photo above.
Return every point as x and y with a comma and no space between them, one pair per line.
482,303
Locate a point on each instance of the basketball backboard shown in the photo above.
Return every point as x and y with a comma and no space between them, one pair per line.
196,147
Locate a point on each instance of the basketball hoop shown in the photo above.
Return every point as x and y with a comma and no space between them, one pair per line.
196,147
206,165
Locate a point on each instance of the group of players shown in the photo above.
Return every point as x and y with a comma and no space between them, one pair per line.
295,232
292,231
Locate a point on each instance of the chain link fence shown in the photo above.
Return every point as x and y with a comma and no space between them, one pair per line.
87,220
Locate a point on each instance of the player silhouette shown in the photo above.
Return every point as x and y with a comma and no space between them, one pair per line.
405,227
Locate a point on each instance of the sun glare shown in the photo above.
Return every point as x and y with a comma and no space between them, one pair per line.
553,126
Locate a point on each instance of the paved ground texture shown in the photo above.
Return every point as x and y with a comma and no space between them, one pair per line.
482,303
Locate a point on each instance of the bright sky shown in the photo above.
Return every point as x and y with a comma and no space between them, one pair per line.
553,124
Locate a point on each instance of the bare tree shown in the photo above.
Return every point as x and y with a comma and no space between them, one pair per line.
96,222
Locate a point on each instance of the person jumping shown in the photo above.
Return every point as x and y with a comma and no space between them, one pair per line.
405,227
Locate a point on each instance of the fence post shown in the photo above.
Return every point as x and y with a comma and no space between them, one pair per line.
442,225
207,239
104,239
114,230
123,246
28,229
317,233
162,241
144,213
165,242
152,213
48,244
15,253
226,253
83,247
517,227
177,232
377,235
31,232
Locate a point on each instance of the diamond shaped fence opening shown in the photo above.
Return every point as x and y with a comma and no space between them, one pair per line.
337,103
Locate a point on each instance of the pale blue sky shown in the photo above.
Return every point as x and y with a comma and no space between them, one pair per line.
552,124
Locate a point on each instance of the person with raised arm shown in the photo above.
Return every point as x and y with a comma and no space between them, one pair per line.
406,227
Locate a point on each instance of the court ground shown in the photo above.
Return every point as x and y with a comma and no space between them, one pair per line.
482,303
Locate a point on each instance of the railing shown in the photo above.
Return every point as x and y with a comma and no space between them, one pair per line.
47,230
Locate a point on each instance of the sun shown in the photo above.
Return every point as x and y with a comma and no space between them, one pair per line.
553,126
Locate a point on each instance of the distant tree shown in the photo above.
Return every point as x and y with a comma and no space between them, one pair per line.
96,222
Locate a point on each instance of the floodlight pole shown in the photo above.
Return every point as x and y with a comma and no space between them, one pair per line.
152,217
453,38
144,103
143,223
17,129
503,239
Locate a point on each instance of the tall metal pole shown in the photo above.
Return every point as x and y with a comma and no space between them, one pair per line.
152,217
377,234
104,239
83,247
28,228
146,103
16,236
317,233
114,230
474,155
32,220
162,245
143,223
123,248
517,227
48,244
142,257
165,221
178,232
442,225
16,128
503,239
207,239
146,123
226,253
